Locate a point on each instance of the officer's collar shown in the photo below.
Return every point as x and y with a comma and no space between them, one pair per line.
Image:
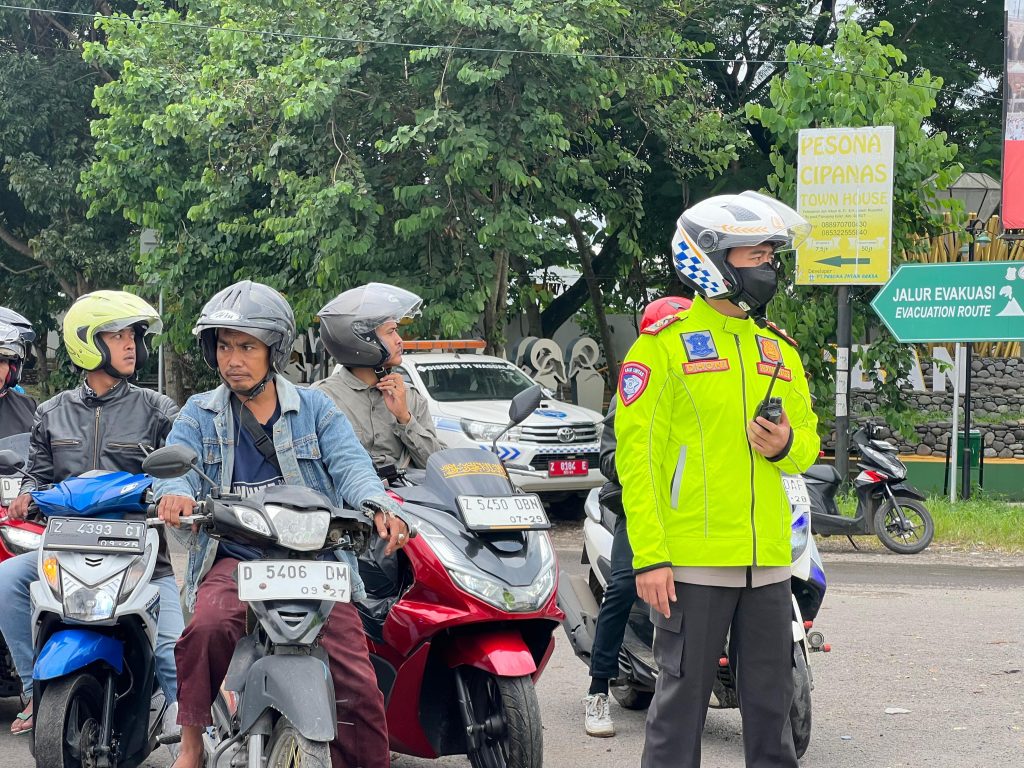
705,315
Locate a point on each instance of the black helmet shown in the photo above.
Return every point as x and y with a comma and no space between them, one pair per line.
12,349
252,308
349,322
25,330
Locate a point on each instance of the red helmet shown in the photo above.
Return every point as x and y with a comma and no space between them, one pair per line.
660,308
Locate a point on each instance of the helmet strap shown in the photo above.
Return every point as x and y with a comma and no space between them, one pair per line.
253,393
380,372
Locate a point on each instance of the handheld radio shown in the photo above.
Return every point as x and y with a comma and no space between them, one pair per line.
771,407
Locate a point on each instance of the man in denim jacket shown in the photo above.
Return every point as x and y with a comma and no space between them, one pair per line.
246,332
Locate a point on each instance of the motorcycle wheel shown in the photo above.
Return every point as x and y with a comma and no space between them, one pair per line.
800,711
888,529
507,711
290,749
67,721
630,698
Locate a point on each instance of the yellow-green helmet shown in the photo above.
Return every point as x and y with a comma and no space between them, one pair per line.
106,311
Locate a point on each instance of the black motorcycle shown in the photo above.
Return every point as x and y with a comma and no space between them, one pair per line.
277,705
887,505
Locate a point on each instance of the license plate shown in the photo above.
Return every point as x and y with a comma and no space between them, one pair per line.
796,490
521,512
294,580
568,467
87,534
9,489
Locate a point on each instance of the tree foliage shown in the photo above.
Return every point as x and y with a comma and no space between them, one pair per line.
853,83
316,163
49,251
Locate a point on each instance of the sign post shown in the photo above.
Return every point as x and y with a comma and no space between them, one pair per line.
844,189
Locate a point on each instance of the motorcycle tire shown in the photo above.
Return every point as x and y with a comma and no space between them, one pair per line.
630,698
68,719
800,711
288,748
887,526
508,707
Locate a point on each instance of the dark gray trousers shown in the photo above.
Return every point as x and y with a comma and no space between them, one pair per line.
687,647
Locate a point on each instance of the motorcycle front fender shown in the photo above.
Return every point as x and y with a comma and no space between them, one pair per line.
903,488
69,650
300,688
501,652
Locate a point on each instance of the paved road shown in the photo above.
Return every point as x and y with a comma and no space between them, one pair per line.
940,634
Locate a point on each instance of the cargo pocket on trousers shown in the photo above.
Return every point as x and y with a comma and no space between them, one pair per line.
668,641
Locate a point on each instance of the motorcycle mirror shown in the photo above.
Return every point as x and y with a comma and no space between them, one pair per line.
10,462
525,403
170,461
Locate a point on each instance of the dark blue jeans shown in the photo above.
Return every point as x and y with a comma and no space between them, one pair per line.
618,600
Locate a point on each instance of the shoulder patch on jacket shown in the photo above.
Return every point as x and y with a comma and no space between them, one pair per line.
633,380
655,328
782,334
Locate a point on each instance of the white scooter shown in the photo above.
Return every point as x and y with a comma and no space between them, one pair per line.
580,597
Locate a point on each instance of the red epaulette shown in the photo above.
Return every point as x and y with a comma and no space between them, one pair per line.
655,328
782,334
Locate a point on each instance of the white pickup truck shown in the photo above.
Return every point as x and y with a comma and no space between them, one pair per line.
553,453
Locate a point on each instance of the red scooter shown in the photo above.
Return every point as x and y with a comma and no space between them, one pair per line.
460,623
16,537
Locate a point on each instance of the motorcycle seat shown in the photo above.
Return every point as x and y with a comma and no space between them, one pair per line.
823,473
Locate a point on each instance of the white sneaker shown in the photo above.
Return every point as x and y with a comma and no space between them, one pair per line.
599,720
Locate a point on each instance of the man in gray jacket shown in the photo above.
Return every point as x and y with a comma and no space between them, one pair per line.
359,329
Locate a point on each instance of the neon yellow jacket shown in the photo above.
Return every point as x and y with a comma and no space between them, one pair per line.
694,490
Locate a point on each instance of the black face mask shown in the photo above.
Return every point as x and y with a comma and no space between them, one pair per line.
757,287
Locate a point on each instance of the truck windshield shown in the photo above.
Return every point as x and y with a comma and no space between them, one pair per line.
461,381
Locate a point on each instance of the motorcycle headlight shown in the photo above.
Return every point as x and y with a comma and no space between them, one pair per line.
83,603
135,574
249,518
302,531
501,595
800,533
20,541
485,430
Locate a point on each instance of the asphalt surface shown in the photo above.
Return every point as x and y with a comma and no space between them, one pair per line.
939,634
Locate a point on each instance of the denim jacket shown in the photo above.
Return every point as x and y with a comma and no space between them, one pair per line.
316,448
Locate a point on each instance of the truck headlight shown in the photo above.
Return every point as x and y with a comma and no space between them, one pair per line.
481,430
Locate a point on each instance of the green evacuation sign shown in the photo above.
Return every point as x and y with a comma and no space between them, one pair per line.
979,301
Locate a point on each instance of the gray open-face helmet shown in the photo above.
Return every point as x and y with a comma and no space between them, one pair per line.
349,322
706,232
12,349
252,308
25,331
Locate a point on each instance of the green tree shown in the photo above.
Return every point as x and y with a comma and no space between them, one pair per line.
50,253
455,163
853,83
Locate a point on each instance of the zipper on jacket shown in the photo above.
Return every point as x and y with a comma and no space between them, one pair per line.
96,450
750,448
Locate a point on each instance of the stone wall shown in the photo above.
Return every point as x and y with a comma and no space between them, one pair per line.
997,411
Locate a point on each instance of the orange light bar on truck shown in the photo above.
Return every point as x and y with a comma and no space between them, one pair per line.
443,345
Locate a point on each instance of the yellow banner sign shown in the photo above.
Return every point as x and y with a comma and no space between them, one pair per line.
844,189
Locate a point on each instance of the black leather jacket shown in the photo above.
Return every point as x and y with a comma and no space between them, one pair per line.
76,431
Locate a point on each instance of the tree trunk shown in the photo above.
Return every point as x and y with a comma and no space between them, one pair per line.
43,377
495,312
596,299
174,380
569,303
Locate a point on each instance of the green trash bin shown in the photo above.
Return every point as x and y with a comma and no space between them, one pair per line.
976,450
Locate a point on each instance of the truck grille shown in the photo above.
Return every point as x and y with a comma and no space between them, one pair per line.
559,434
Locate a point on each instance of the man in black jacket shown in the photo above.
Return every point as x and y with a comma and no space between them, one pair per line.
106,423
621,591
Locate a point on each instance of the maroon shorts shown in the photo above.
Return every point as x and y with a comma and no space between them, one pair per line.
204,650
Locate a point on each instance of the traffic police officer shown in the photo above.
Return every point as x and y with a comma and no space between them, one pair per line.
706,511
